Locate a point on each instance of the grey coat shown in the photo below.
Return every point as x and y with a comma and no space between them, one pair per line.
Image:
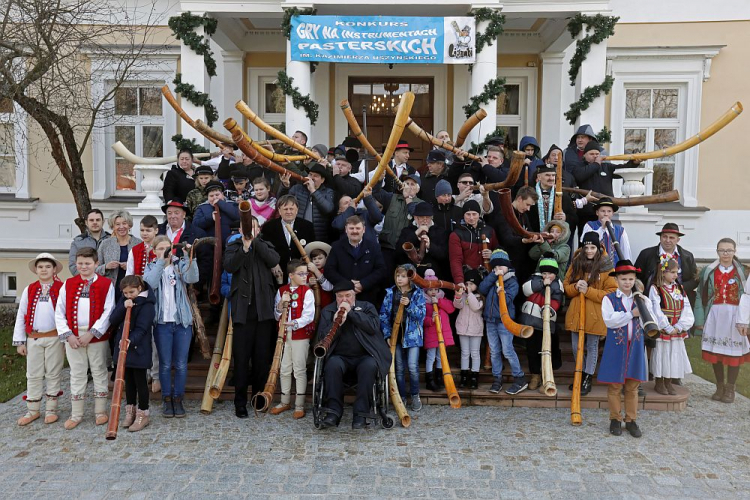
109,250
84,240
186,274
251,269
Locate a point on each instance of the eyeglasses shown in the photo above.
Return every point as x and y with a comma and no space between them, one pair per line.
301,274
468,183
726,251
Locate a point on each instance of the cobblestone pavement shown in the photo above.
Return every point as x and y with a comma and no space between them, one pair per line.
474,452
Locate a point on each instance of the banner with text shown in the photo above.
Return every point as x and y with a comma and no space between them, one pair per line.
383,40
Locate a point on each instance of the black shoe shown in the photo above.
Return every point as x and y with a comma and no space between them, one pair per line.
615,428
359,422
586,384
330,420
438,377
633,429
179,410
474,384
167,407
641,392
570,387
241,412
464,379
429,381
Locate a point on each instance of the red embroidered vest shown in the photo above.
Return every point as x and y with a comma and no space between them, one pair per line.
34,293
97,297
670,306
325,297
295,308
726,287
141,258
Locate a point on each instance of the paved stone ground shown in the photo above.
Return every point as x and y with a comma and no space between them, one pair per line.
474,452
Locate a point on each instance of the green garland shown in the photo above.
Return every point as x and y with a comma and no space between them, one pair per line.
603,27
188,91
587,97
604,136
476,148
183,27
286,22
298,100
183,143
494,30
491,90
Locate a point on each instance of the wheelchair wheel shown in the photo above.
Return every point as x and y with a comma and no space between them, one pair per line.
317,392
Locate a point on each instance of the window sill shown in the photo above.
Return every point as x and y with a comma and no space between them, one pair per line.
675,206
18,208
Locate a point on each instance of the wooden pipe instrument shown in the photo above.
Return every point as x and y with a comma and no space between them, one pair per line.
306,260
417,279
207,403
514,173
398,403
411,251
123,152
243,142
217,384
485,246
419,132
262,400
399,123
575,399
185,117
248,113
548,378
246,219
450,385
558,208
357,131
701,136
114,409
506,207
321,348
468,126
630,201
523,331
199,326
214,294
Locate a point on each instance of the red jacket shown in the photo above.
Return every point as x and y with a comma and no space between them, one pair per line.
465,248
445,307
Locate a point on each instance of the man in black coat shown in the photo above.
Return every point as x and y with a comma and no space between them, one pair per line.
358,347
251,296
357,260
275,232
435,239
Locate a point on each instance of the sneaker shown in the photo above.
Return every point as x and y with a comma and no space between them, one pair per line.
633,429
615,428
416,403
497,386
519,385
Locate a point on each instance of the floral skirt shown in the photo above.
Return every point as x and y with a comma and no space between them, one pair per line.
722,343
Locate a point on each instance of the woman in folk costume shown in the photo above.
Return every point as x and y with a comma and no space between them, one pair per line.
720,287
669,359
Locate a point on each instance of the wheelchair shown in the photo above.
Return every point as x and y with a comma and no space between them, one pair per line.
378,398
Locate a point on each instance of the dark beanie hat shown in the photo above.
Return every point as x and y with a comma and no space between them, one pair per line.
443,187
590,238
472,206
592,145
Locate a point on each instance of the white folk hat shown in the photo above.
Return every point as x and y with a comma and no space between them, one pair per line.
45,256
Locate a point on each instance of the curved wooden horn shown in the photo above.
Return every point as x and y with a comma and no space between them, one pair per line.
506,206
630,201
267,153
468,125
701,136
248,113
419,132
413,276
123,152
399,123
516,165
207,131
173,102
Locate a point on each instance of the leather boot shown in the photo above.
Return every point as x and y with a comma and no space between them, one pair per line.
179,410
438,378
719,394
728,396
129,416
167,407
141,421
464,379
586,384
474,380
429,381
535,381
668,386
659,386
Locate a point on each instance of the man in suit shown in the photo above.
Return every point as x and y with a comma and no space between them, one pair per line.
275,232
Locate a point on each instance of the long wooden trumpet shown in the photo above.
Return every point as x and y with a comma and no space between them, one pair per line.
450,385
123,152
575,399
548,378
248,113
413,276
523,331
516,166
398,403
267,153
306,260
200,328
399,123
558,208
214,295
204,129
701,136
114,409
321,348
207,403
185,117
468,126
357,131
419,132
242,140
262,400
246,218
630,201
217,385
411,251
506,207
485,246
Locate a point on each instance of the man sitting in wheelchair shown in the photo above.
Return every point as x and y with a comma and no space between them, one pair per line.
358,347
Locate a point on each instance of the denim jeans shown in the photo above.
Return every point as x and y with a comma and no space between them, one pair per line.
408,357
501,344
173,343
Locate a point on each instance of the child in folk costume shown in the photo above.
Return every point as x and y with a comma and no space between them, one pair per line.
35,337
411,330
469,327
624,358
588,274
299,329
434,379
722,285
318,252
605,208
82,318
674,316
532,312
141,301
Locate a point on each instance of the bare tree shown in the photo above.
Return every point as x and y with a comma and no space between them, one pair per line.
46,49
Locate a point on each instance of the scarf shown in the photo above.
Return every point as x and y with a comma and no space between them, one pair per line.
549,203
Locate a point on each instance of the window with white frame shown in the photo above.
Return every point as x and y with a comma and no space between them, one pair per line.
7,148
272,103
9,284
652,121
139,125
516,107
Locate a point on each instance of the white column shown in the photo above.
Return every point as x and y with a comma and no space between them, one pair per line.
233,90
554,128
485,69
193,72
296,119
592,72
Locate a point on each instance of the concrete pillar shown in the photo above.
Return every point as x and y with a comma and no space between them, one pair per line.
232,91
296,119
193,72
554,128
592,72
485,69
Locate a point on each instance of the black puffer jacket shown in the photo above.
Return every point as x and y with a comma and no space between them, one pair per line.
177,184
141,329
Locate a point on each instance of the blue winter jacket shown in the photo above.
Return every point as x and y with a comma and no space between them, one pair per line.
488,288
535,162
203,217
413,319
141,328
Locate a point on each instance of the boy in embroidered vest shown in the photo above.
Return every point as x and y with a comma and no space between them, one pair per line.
82,319
35,337
300,327
624,358
605,208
